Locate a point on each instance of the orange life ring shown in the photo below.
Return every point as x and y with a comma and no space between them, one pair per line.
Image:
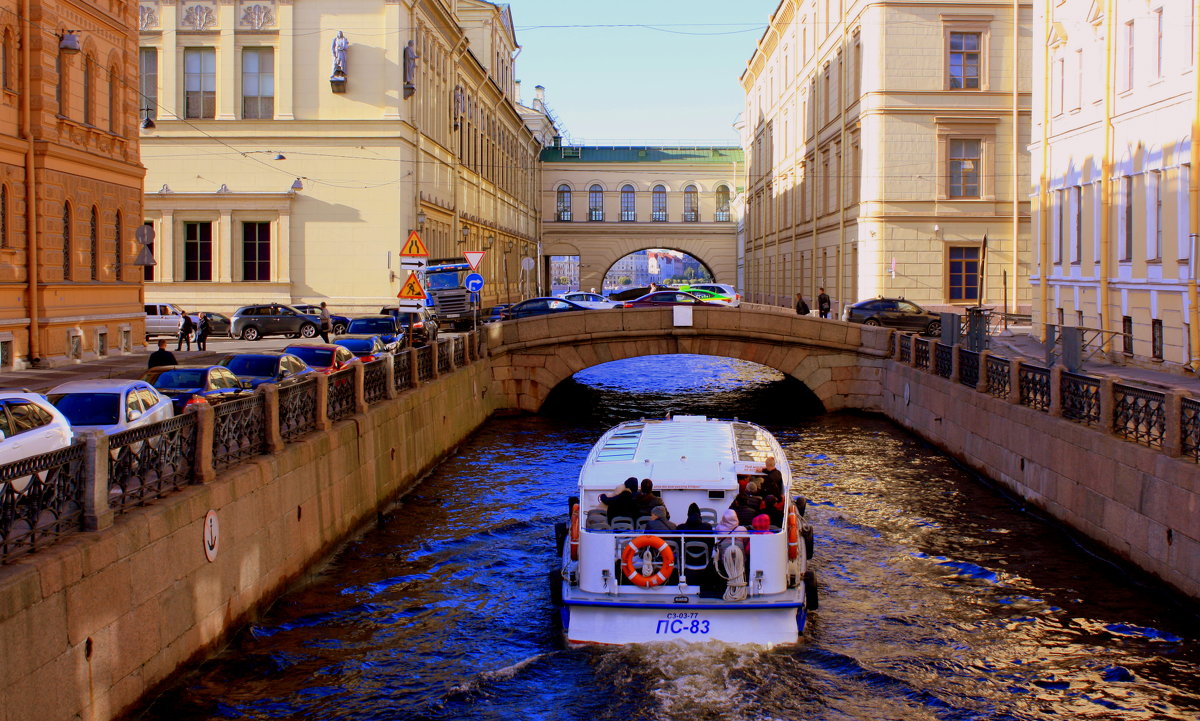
575,532
640,544
793,535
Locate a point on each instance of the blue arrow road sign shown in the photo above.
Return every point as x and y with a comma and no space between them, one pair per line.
473,282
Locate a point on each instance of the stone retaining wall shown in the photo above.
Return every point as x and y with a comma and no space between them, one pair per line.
89,625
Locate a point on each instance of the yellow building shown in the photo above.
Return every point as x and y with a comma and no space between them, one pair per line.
1115,121
884,142
70,182
294,145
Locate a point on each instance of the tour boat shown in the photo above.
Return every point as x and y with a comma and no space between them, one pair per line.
620,584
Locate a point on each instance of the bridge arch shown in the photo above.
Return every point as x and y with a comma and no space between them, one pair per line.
712,273
841,363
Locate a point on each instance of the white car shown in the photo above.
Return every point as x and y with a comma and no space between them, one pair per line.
589,300
110,405
29,426
728,294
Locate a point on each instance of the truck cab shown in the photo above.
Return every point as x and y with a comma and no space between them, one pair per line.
446,294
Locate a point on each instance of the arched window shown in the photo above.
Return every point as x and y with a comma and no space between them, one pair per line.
658,204
3,216
114,112
66,247
595,203
691,204
60,90
628,206
88,72
94,243
563,208
7,52
722,204
118,241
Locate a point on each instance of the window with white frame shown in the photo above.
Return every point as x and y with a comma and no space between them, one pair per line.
1185,240
1059,216
1127,225
258,83
595,203
1154,216
200,83
1128,55
197,251
1077,225
148,83
628,204
658,204
964,62
563,203
1158,42
256,251
722,204
691,204
965,157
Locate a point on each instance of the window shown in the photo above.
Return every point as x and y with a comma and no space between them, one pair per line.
965,157
148,270
256,251
1057,80
6,55
1127,209
60,92
1185,242
658,204
963,274
258,83
628,204
964,61
94,243
1156,335
722,204
1077,98
148,83
3,216
691,204
1129,55
595,203
118,256
1127,335
563,207
113,110
66,241
1158,44
88,72
1155,235
199,83
1077,227
1059,215
197,251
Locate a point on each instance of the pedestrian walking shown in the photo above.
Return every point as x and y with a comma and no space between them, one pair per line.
202,331
186,326
823,304
162,356
801,305
326,322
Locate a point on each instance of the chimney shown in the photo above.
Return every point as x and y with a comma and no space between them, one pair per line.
517,90
539,97
557,141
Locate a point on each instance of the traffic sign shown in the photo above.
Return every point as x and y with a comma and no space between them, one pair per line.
411,306
413,263
414,247
473,257
144,234
473,282
411,290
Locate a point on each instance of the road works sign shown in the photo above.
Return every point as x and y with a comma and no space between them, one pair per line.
411,290
414,247
473,257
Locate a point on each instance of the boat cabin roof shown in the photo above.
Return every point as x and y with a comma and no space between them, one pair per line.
679,452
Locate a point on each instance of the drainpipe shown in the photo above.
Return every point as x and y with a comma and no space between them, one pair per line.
843,86
31,219
1043,192
1106,178
1016,139
1194,213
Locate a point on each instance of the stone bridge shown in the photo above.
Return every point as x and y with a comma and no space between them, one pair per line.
841,363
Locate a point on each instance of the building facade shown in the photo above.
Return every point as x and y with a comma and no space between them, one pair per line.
1115,121
885,142
70,182
600,204
291,151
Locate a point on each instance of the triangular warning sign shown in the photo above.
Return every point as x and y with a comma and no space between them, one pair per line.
411,290
414,247
473,257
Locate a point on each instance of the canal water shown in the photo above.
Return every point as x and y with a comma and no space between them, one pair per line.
940,598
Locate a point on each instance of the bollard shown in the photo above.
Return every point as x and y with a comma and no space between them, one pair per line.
271,419
1056,405
1014,380
360,388
323,423
206,419
389,375
1173,422
97,514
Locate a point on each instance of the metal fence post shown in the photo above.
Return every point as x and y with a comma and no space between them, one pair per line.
435,350
913,339
955,363
389,376
1108,403
1056,404
360,388
414,370
97,514
1173,425
1014,380
981,383
274,436
206,419
323,423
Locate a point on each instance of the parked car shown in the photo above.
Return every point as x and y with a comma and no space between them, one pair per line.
632,293
589,300
894,313
722,290
365,347
254,369
253,322
496,313
218,323
110,405
163,319
664,298
186,385
709,297
337,323
424,329
323,357
29,426
387,327
539,306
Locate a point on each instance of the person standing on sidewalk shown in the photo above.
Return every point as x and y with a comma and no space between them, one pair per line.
162,356
186,326
801,305
326,322
823,304
202,332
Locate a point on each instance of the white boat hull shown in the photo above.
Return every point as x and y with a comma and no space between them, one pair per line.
620,624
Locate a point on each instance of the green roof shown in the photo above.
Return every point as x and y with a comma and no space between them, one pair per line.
641,154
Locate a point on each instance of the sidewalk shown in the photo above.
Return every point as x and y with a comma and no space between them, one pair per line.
123,366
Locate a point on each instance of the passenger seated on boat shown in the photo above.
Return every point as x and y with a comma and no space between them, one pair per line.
647,499
773,507
695,521
622,503
761,524
746,507
729,523
660,520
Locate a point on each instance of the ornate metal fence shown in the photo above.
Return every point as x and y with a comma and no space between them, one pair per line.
921,348
943,358
150,462
424,363
341,394
998,377
968,367
1139,415
402,370
905,352
375,381
239,430
1190,419
460,352
40,500
1080,398
444,350
298,409
1035,386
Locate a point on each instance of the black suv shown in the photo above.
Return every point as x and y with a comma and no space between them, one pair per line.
895,313
424,330
252,322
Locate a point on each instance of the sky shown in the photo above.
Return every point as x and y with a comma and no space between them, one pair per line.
676,83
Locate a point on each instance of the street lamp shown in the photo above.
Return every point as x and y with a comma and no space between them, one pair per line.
466,233
421,219
489,241
68,42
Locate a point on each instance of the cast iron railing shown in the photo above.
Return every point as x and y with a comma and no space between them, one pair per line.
40,500
460,352
375,381
424,363
402,370
239,430
1080,398
147,463
1190,435
1035,386
968,367
998,377
443,356
921,349
943,358
905,352
341,394
298,409
1139,415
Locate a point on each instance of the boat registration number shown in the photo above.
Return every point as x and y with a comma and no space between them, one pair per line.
680,623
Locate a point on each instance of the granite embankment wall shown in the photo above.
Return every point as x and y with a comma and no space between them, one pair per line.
91,624
1141,503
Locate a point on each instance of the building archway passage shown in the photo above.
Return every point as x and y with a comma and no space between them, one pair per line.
656,265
